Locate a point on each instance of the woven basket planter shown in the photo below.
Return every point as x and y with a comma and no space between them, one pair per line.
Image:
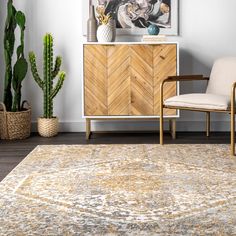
48,127
15,125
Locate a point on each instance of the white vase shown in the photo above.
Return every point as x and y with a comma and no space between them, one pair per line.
104,33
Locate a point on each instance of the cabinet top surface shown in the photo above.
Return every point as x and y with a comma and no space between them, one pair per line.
129,43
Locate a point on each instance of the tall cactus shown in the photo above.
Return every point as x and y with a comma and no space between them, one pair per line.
9,43
21,65
50,74
14,78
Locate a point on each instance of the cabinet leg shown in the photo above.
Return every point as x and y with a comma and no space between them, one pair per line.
172,124
88,128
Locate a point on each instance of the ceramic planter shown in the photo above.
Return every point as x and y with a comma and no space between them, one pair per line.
104,33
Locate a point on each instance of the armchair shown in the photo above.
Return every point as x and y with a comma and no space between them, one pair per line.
219,95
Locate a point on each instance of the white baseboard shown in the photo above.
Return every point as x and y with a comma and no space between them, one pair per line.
186,126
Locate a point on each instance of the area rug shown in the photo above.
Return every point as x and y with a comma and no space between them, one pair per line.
121,190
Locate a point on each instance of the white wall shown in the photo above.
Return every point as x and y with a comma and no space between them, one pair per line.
207,32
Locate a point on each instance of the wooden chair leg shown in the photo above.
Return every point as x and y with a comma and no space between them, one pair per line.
232,121
161,125
161,113
208,123
232,131
88,128
172,124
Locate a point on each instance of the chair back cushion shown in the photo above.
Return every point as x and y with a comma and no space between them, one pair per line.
223,75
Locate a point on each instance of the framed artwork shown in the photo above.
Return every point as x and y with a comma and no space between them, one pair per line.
134,16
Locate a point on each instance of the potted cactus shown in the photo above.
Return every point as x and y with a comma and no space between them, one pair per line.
15,120
48,125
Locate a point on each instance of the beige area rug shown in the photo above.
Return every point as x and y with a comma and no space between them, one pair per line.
121,190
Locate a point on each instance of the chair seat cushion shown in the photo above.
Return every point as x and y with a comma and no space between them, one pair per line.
200,101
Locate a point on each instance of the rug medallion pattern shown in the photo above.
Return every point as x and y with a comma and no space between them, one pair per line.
121,190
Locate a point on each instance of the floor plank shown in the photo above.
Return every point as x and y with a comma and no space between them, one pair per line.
13,152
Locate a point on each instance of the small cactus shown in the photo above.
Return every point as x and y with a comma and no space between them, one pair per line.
50,74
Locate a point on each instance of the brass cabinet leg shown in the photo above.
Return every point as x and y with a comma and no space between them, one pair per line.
172,123
88,128
208,123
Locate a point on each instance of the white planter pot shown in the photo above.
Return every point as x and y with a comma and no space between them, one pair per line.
104,33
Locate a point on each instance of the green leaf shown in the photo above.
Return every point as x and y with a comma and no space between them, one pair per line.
20,19
19,51
9,10
20,71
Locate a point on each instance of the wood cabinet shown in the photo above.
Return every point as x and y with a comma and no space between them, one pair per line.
122,80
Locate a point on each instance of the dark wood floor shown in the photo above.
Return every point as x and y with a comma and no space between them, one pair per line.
13,152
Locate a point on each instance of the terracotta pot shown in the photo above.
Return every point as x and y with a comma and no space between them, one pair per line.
48,127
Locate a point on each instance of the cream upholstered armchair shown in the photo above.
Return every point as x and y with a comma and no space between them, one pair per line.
219,96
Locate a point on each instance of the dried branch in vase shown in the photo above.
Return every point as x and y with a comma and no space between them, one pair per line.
102,17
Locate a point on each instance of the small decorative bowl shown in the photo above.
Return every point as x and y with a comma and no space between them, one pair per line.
153,30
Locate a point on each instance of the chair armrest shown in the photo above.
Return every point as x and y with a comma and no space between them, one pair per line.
233,98
180,78
233,87
184,78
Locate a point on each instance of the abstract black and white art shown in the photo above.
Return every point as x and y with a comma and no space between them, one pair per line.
134,16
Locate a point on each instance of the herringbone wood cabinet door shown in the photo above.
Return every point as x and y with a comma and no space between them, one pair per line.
118,80
123,80
165,64
141,65
95,80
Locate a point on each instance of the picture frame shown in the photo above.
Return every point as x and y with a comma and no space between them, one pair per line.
170,29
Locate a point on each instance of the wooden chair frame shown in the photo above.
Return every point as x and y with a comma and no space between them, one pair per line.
230,111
